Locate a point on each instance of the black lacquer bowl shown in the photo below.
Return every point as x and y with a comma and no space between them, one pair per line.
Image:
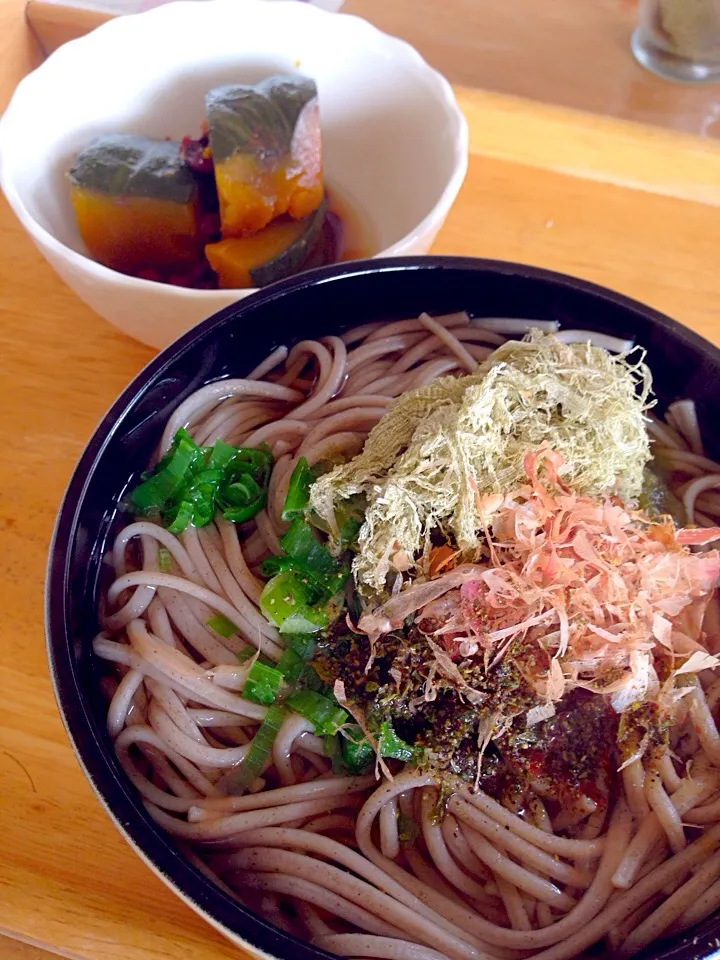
231,343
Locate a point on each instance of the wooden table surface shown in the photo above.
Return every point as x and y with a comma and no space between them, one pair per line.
635,208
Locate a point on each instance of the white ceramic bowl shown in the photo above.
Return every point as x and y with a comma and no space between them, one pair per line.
394,140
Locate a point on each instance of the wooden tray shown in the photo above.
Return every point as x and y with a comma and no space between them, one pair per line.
635,208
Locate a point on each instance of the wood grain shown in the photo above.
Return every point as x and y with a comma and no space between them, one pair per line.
605,201
12,949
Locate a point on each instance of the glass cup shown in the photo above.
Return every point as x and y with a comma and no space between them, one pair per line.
679,39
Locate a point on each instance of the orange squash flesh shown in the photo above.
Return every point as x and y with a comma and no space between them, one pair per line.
251,194
130,234
267,150
234,258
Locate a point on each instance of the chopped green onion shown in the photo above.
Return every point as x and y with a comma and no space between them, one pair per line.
256,460
164,560
190,483
298,495
286,602
277,563
251,767
333,751
357,751
201,494
160,484
262,684
325,715
349,530
302,643
305,620
300,543
349,517
221,454
392,746
291,666
243,514
181,517
282,596
309,572
317,587
243,492
297,672
226,628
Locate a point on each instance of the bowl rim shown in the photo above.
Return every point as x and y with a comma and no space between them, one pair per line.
166,861
114,31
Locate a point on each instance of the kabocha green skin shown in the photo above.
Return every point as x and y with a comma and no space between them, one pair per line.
127,165
294,258
260,119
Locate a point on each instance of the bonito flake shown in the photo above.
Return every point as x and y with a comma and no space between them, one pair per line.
438,447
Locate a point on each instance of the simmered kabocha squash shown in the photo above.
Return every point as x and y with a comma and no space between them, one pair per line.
278,251
265,141
136,204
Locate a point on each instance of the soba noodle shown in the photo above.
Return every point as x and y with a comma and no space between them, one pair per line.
324,856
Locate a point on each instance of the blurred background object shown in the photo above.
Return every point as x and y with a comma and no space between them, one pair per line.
566,52
679,39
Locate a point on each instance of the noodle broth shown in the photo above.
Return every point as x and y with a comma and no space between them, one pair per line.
447,864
